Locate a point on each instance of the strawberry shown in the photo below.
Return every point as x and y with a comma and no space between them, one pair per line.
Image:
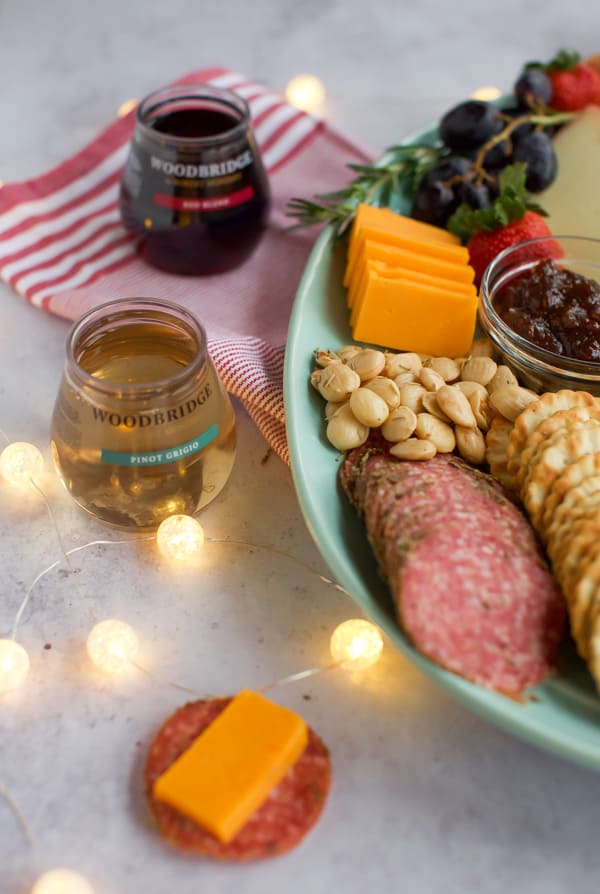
575,84
511,219
575,89
486,244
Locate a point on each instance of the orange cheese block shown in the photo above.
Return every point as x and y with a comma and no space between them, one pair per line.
415,266
408,316
383,218
229,770
396,274
386,259
457,254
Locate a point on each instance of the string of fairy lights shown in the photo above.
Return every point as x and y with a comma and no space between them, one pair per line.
113,646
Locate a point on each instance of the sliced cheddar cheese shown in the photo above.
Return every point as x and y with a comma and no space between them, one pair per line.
409,316
461,274
452,253
387,258
229,770
404,275
384,219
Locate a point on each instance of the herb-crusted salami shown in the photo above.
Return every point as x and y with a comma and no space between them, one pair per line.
280,822
469,583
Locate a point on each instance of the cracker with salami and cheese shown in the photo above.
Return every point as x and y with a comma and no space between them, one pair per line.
291,808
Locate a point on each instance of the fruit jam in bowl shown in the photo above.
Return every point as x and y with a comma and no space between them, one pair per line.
540,306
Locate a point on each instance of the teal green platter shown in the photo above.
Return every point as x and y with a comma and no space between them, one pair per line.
561,715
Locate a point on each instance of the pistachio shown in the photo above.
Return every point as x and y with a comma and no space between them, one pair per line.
414,449
368,363
455,405
344,431
368,407
399,425
385,388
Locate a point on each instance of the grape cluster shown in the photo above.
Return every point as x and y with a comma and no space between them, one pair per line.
479,139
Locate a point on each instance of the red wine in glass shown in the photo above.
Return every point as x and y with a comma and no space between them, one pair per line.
194,188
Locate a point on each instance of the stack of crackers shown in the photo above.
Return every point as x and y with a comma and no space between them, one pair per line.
550,458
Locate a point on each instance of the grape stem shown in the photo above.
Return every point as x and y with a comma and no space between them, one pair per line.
514,123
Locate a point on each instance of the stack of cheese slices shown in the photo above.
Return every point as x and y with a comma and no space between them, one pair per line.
410,286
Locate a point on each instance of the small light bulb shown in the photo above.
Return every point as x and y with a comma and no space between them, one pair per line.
126,107
20,462
487,94
306,92
357,644
62,881
112,646
14,665
179,537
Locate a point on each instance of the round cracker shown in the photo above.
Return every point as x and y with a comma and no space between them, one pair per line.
564,449
538,410
570,423
593,643
538,439
291,808
496,444
578,503
583,609
569,570
585,467
573,540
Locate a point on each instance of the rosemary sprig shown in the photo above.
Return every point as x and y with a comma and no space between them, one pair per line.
387,185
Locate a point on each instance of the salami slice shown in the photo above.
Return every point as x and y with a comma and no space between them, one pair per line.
280,822
469,582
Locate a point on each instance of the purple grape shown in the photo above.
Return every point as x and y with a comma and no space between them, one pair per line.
434,203
476,195
470,124
448,168
536,150
533,89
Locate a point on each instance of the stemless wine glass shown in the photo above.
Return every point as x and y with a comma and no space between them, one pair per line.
142,426
194,187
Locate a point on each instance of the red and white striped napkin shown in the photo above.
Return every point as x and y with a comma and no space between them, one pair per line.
63,247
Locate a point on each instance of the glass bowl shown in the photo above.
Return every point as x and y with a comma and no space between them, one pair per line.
536,367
